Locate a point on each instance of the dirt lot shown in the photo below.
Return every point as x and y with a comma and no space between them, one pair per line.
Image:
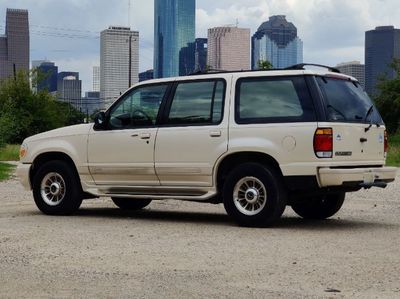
184,250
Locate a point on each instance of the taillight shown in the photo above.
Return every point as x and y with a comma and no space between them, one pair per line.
386,146
323,143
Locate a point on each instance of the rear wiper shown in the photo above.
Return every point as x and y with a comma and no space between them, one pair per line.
370,110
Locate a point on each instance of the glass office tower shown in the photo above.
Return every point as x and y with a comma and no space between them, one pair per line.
381,46
174,37
276,41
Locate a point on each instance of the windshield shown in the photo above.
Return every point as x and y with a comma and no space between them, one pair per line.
346,101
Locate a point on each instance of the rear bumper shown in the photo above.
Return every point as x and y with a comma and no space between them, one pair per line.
23,175
328,177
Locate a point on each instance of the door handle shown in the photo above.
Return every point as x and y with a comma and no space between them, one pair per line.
215,134
145,136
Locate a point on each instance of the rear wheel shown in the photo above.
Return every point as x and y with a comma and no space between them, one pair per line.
56,189
253,195
131,204
320,207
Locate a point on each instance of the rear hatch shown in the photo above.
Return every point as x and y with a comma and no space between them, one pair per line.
358,131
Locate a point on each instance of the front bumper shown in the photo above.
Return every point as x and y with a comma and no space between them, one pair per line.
328,177
23,175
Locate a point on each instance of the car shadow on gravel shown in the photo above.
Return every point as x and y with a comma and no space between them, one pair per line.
286,222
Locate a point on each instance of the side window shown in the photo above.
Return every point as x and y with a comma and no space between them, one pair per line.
197,103
138,108
271,100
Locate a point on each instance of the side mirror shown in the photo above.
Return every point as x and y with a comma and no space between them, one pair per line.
100,121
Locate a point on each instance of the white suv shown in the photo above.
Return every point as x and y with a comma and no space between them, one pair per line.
254,141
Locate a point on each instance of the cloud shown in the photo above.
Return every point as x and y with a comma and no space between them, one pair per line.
332,30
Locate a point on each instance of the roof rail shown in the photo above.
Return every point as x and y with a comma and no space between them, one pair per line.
302,65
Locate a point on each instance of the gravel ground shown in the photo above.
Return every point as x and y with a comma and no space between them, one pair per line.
188,250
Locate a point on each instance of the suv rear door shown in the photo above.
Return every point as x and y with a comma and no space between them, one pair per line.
193,134
358,131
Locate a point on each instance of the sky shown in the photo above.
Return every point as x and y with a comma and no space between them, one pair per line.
67,32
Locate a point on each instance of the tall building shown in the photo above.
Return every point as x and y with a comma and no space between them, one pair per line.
47,76
381,46
147,75
14,45
354,69
228,48
200,54
96,78
174,37
70,91
91,102
276,41
119,62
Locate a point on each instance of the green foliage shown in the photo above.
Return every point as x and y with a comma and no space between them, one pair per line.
9,152
24,113
5,171
264,65
393,156
388,99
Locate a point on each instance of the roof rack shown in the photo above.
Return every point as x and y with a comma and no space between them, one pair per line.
293,67
302,65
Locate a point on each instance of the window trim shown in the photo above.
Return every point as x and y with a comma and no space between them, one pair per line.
168,85
168,103
274,120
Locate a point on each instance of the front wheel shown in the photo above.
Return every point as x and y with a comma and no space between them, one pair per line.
254,195
131,204
56,189
320,207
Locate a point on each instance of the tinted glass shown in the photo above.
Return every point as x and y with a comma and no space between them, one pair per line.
197,103
346,101
263,100
138,109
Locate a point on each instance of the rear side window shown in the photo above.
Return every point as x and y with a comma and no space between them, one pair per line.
346,101
272,100
197,103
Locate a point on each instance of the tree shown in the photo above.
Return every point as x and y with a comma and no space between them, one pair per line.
264,65
388,99
24,113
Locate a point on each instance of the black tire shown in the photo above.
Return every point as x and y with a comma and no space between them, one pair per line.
70,197
268,208
131,204
320,207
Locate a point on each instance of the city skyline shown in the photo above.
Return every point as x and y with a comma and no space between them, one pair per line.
346,23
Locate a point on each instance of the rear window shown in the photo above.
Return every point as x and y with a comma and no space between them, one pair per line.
346,101
272,100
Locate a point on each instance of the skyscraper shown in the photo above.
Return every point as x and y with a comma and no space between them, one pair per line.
228,48
47,77
381,46
174,37
14,45
276,41
119,49
70,91
96,78
200,54
354,69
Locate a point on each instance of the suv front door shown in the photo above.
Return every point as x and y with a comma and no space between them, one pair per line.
194,134
123,153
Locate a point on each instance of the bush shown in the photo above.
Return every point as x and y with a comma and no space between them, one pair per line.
24,113
388,100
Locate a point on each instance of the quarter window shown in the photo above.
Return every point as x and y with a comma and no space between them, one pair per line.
269,100
138,108
197,103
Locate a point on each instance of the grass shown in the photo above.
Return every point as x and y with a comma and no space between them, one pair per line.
5,171
9,153
393,158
